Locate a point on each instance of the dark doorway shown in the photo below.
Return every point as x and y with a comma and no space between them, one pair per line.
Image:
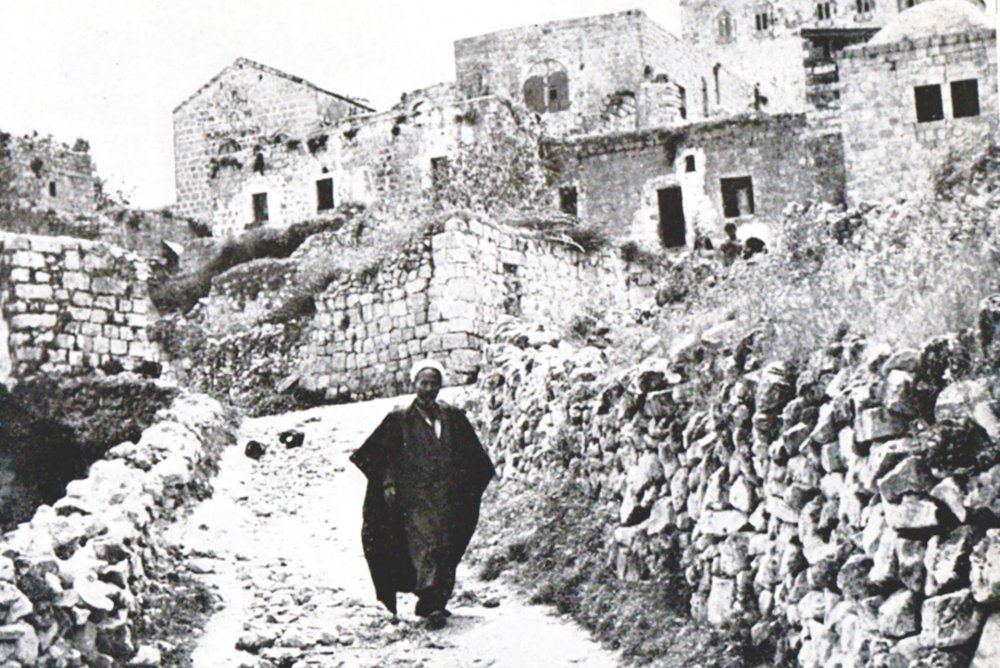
673,230
324,195
259,207
567,200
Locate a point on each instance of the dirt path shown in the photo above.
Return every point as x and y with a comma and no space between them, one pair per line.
280,541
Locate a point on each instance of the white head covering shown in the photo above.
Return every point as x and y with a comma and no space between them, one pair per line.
423,365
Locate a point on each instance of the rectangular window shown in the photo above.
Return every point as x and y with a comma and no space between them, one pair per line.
824,11
682,93
928,101
965,98
567,200
259,207
737,196
440,172
865,6
324,195
52,184
689,163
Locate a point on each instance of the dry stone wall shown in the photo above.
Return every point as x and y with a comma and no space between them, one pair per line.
70,304
72,579
442,297
844,512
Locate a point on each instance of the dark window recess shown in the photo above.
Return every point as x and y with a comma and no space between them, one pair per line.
259,207
737,196
689,163
725,25
682,93
704,98
865,6
324,195
928,100
965,98
824,11
52,187
440,172
567,200
762,20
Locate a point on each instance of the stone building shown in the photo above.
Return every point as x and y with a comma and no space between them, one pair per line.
923,88
797,40
240,114
597,74
668,186
47,174
255,146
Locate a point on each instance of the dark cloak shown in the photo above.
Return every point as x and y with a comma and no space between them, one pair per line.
416,544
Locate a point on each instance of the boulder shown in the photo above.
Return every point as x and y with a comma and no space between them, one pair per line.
910,563
949,620
19,642
958,399
910,476
988,651
899,615
882,458
852,580
912,513
741,495
878,424
985,568
775,387
900,397
721,522
947,560
984,492
950,493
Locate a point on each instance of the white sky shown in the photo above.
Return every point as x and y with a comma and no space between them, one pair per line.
112,71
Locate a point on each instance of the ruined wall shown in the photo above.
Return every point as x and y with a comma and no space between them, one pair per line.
245,105
442,297
842,512
618,176
879,115
48,174
73,578
72,304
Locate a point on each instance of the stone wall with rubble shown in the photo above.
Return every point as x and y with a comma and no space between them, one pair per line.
47,174
69,304
72,579
879,116
843,513
441,297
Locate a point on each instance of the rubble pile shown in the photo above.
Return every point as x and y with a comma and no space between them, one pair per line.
72,578
843,512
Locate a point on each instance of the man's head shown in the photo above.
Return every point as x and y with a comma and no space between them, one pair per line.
428,377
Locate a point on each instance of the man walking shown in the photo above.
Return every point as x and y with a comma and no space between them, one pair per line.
426,473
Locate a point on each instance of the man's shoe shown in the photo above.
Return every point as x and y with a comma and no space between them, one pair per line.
436,620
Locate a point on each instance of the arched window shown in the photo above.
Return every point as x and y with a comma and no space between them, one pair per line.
724,26
763,18
547,87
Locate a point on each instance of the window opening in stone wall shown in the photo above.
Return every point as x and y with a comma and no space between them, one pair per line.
715,73
682,94
567,200
689,165
324,194
440,172
737,196
865,6
547,87
725,27
965,98
928,101
824,11
259,207
673,228
704,98
906,4
52,184
763,19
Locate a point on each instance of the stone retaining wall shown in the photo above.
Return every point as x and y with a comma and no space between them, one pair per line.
71,578
441,297
70,304
845,513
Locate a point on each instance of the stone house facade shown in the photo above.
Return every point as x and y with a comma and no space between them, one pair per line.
923,88
245,108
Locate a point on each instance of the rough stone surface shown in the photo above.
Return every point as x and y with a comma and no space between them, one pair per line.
949,620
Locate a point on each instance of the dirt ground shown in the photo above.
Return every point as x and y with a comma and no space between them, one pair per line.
280,543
